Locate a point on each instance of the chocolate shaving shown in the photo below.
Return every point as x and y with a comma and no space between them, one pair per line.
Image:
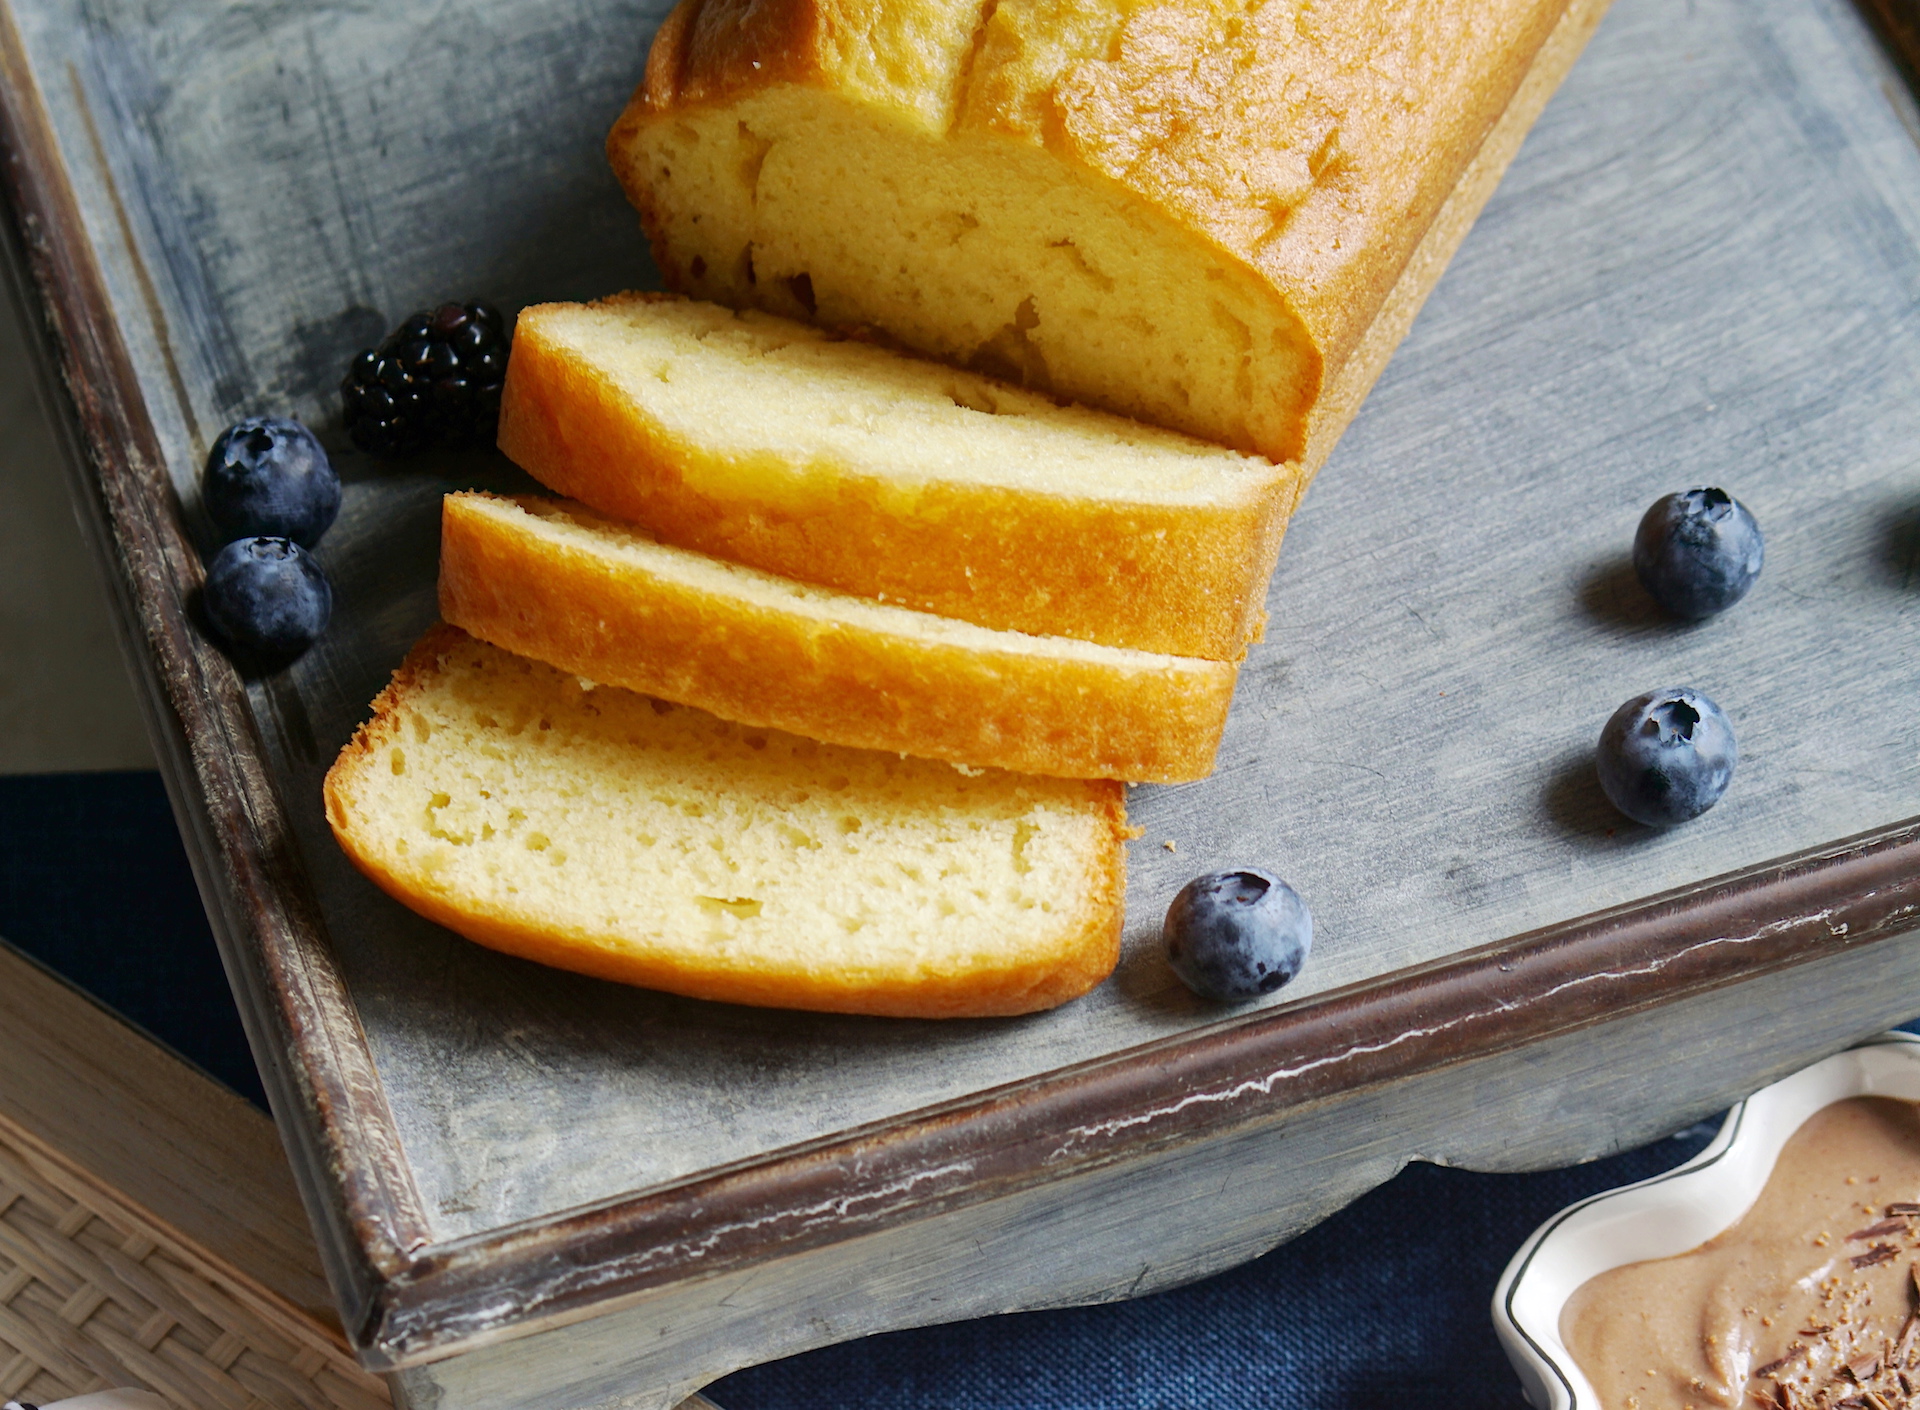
1816,1329
1852,1402
1909,1339
1792,1353
1901,1207
1880,1230
1879,1253
1863,1370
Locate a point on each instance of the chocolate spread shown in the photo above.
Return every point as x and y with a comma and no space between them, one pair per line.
1808,1303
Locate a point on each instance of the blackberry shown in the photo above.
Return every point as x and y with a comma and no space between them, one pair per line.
434,381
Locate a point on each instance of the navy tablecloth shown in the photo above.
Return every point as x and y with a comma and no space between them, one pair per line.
1385,1304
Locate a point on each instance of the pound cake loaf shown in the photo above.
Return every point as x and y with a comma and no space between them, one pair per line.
620,836
767,442
600,599
1210,216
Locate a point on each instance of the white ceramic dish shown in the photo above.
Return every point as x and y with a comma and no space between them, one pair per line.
1674,1212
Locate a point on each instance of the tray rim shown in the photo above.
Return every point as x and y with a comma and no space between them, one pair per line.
408,1300
210,756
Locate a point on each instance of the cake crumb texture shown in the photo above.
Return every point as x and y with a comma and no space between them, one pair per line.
553,580
835,461
1190,213
617,835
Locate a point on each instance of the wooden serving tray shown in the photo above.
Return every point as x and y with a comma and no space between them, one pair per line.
532,1189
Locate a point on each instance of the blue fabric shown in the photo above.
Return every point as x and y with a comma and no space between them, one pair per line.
1383,1305
95,884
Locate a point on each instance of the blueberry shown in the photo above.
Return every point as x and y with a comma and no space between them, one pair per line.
266,475
1666,756
268,597
1237,934
1698,552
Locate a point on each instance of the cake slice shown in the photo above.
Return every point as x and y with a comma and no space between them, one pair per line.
767,442
1214,217
624,837
600,599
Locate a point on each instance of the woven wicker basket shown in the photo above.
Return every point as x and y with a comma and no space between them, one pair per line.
94,1294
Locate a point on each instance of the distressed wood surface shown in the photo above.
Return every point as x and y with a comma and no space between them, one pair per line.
313,1057
1898,23
1154,1224
1166,1101
1702,268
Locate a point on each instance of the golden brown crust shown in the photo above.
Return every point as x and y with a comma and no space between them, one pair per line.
708,49
1086,956
1315,146
1186,580
1060,714
1087,951
1462,206
914,57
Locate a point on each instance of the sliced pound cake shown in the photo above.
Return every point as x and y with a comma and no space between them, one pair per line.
559,583
620,836
767,442
1218,217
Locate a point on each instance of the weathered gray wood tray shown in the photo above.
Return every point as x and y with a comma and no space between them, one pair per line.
537,1190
